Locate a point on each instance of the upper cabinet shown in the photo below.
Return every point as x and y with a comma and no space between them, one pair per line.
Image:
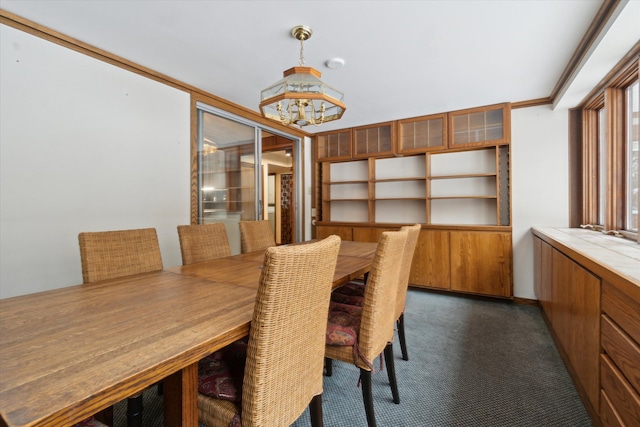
335,145
373,141
421,134
474,127
480,126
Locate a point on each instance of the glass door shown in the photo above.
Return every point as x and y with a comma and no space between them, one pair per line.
232,169
226,173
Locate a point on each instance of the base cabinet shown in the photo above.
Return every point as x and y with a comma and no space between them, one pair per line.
594,315
345,233
481,262
570,298
476,262
575,315
431,261
620,358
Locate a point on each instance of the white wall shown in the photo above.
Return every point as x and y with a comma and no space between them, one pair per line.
84,146
540,183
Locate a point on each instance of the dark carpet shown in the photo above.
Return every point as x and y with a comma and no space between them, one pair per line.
472,363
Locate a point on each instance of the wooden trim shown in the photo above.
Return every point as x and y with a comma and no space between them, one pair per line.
424,226
575,168
615,107
531,103
597,26
427,171
193,159
590,167
371,187
620,76
526,301
45,33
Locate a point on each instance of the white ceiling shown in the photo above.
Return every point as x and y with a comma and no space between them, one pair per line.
403,58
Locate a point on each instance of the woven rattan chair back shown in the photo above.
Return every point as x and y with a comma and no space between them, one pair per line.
285,355
413,232
203,242
378,307
112,254
256,235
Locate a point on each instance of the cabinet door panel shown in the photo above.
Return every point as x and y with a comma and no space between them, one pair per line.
622,396
334,145
545,295
344,232
576,321
372,235
430,266
481,262
480,126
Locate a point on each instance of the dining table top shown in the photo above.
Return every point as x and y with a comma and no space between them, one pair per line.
68,353
354,260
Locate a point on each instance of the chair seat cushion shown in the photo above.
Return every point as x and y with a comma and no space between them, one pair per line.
90,422
351,288
347,299
220,374
343,324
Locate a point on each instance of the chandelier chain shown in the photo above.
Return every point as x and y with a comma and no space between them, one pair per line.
301,52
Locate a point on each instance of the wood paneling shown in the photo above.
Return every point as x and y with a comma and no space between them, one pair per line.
369,234
622,396
481,262
623,307
431,262
622,350
576,321
344,232
608,415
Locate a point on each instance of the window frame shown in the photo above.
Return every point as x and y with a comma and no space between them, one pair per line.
611,97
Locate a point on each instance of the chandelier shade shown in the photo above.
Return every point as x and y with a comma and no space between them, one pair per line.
301,98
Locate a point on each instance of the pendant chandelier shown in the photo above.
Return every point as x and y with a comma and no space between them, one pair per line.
301,98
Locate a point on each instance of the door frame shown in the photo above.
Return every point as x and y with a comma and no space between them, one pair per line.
297,169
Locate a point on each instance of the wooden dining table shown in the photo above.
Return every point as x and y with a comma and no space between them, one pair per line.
354,260
68,353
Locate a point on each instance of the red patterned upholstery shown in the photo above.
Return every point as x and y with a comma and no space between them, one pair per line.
355,300
351,288
352,293
90,422
343,324
220,374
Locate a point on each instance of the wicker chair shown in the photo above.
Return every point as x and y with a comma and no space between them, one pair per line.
353,292
284,354
359,334
203,242
413,232
111,254
256,235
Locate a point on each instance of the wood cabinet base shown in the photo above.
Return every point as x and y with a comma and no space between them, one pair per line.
475,262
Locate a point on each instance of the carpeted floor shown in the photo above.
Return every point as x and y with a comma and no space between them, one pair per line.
472,362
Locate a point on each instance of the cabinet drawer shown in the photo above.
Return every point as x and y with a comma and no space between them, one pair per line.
623,308
608,415
622,396
622,350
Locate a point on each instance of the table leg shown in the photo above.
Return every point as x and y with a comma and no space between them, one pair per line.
181,398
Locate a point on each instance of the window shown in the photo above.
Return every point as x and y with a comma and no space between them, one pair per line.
609,139
602,165
632,138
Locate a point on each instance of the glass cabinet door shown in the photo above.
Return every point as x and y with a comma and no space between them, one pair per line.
480,126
